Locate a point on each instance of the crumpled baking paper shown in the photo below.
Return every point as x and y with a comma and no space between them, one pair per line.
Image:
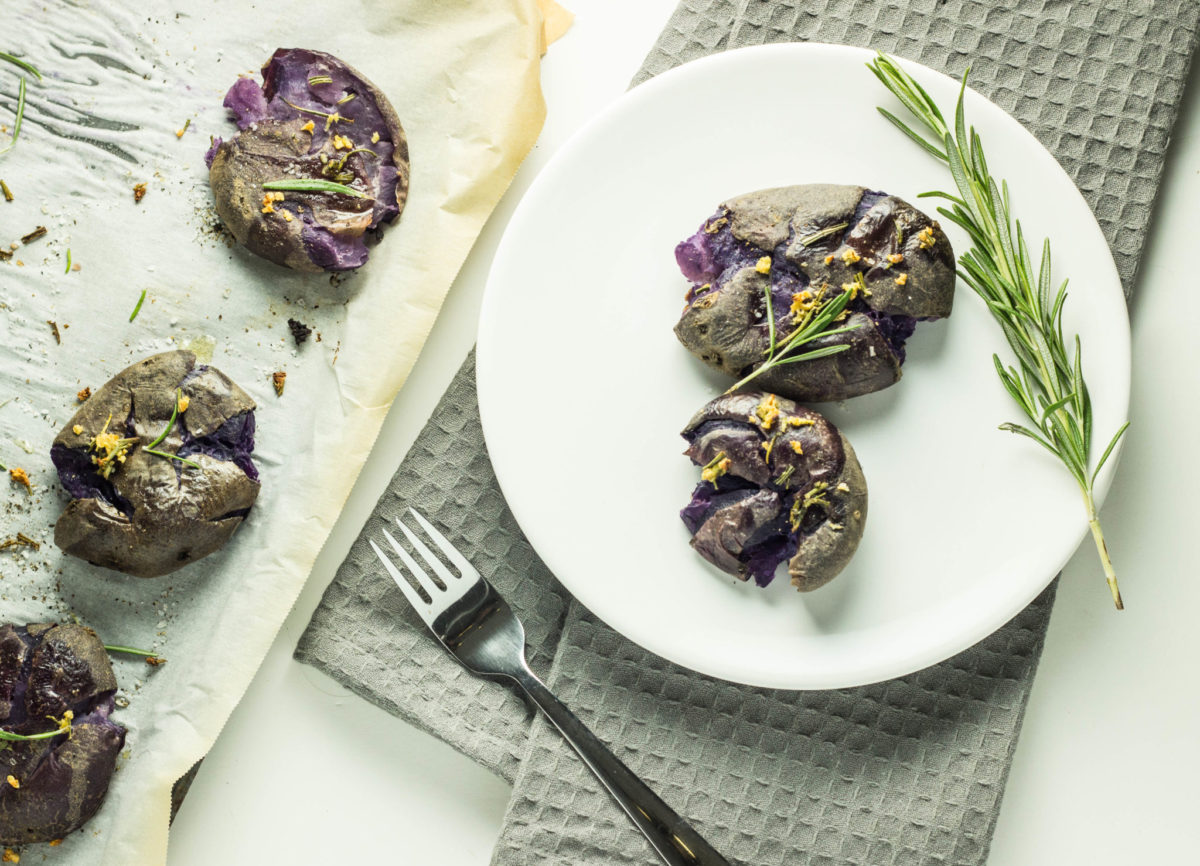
131,95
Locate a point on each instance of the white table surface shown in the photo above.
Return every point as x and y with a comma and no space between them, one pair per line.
1106,767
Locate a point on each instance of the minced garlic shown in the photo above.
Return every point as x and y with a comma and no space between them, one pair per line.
77,430
902,279
308,127
766,412
13,781
796,446
374,138
184,402
896,258
850,257
843,487
763,266
829,259
925,237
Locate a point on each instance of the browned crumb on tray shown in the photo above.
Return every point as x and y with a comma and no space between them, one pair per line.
139,191
10,856
5,255
278,378
54,328
38,232
20,476
21,540
83,394
300,331
155,661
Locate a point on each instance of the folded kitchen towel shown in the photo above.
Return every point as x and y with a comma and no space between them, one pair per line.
909,771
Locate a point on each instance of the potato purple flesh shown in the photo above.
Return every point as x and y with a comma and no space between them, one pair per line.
45,671
153,514
313,117
793,243
779,483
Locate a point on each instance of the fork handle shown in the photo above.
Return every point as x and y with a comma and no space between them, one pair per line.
669,833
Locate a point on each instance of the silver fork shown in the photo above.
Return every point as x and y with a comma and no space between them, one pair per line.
476,625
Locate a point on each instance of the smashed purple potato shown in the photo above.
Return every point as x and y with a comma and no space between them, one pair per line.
47,672
142,513
314,117
779,482
802,244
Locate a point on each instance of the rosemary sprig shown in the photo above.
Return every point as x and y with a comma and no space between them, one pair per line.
312,185
1046,383
151,448
813,324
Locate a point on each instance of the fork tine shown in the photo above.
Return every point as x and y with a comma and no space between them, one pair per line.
448,550
431,560
414,598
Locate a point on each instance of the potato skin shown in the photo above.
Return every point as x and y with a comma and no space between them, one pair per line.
284,136
46,670
782,242
153,516
790,488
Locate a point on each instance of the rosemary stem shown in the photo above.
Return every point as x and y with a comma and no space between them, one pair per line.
1110,574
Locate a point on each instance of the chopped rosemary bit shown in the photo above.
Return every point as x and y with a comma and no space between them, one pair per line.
137,309
180,406
1046,383
809,240
715,468
346,98
67,269
20,116
186,123
151,658
815,495
63,727
312,185
16,61
8,196
320,79
330,118
785,476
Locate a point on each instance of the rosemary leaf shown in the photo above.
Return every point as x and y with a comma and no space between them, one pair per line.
138,308
20,116
311,185
1047,384
17,61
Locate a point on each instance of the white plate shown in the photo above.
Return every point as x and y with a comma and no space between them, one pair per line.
583,387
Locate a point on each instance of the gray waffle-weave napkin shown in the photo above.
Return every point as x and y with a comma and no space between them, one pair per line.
905,772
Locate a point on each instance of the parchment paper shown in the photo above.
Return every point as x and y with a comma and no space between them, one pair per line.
121,80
